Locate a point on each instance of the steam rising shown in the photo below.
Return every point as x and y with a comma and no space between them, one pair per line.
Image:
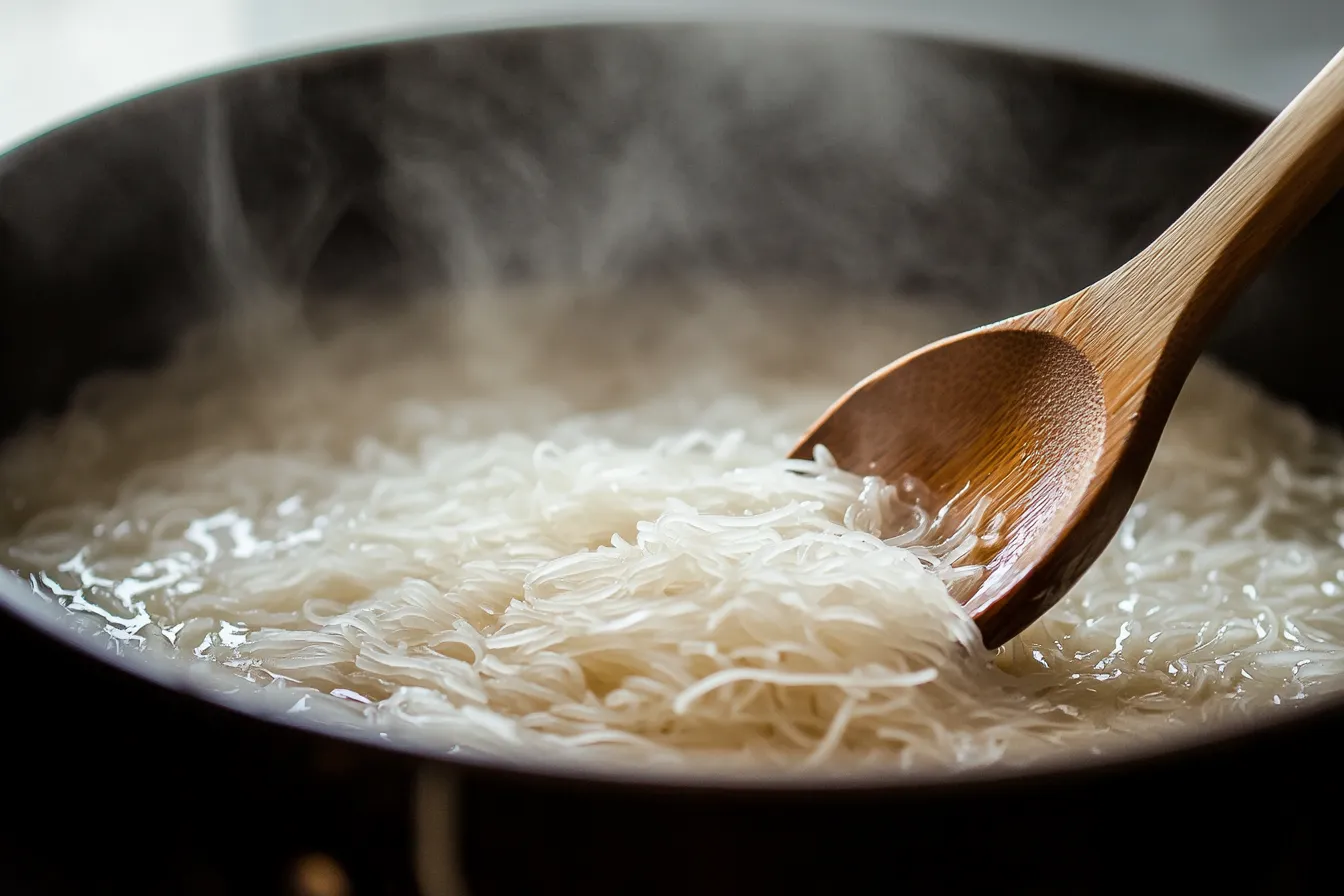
683,152
612,156
850,159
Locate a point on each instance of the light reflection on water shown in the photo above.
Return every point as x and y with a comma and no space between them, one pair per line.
118,601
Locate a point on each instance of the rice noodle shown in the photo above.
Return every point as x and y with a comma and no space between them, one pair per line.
572,531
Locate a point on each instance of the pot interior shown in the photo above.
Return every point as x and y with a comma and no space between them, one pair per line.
630,160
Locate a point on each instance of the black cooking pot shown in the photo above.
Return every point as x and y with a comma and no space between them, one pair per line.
853,161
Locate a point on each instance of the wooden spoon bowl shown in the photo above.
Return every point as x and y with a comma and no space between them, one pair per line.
1018,408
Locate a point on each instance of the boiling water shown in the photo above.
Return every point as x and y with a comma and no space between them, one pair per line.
569,531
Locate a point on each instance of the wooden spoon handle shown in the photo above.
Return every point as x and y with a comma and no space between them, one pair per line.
1185,278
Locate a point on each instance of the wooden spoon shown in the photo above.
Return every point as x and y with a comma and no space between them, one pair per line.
1053,416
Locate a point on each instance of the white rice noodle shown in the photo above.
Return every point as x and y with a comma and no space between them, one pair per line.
505,533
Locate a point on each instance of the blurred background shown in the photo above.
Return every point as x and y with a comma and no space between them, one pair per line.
61,57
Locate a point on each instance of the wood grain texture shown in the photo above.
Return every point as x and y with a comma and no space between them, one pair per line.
1054,415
